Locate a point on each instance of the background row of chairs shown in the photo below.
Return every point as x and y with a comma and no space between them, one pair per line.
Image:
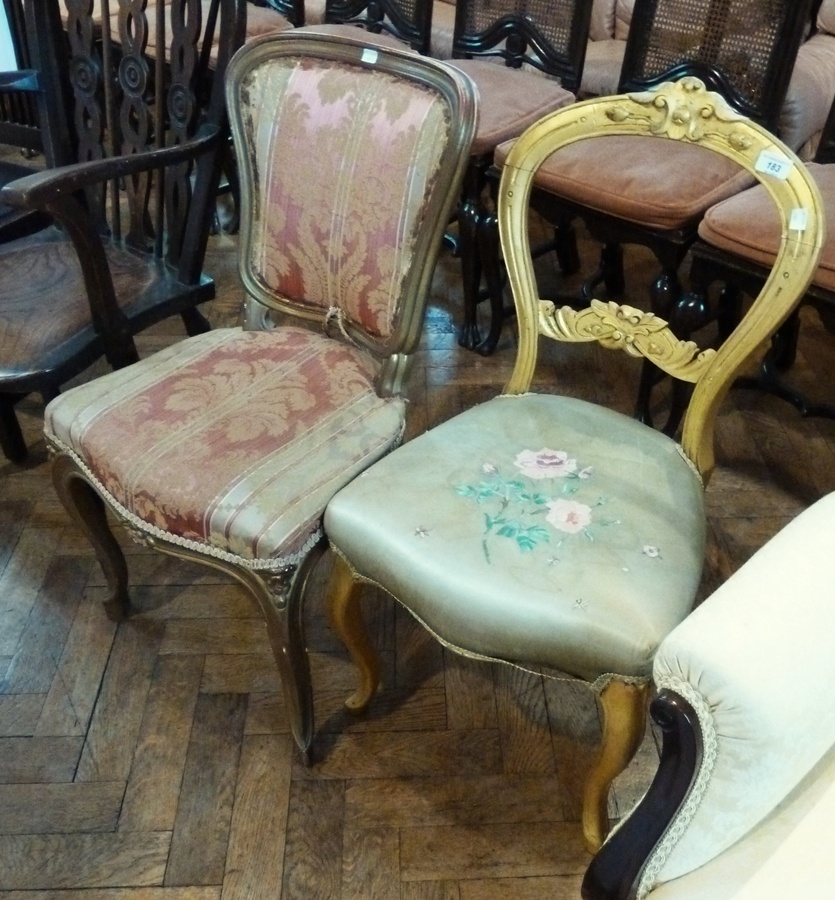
227,447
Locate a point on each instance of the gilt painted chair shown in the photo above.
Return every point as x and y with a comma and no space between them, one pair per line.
540,530
627,192
225,448
742,804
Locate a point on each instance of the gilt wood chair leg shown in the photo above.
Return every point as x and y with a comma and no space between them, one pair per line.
343,599
624,709
87,509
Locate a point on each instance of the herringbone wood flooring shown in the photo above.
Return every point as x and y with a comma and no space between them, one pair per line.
152,761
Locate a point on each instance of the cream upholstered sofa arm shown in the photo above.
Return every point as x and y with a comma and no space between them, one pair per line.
755,662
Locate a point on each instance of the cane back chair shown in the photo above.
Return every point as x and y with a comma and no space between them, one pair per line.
548,36
628,192
136,209
542,530
409,21
351,158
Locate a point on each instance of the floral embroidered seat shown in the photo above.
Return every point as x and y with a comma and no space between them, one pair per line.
541,530
225,448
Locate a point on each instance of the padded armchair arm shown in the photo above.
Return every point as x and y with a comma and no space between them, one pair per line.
41,189
754,664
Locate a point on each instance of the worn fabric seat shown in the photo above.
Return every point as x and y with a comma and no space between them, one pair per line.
587,523
746,226
233,441
637,188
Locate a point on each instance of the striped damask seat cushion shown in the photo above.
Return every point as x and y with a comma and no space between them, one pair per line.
231,442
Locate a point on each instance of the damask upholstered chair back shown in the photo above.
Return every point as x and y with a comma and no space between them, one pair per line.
226,447
340,238
550,533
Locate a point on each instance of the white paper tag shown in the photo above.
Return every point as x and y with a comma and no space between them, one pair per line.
369,56
799,219
775,165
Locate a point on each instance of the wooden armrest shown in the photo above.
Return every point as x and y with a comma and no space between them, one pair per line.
39,190
615,872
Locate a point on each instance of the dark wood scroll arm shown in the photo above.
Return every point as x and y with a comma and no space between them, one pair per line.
107,317
39,190
615,871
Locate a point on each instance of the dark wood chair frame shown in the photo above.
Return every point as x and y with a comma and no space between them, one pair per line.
28,96
408,20
615,872
518,38
75,196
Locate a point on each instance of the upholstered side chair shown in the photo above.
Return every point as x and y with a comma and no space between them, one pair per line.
225,448
540,530
742,804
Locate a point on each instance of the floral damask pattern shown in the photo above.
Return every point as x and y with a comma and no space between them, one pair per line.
333,232
232,441
521,507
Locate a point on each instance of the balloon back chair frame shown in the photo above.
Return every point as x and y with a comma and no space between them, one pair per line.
683,111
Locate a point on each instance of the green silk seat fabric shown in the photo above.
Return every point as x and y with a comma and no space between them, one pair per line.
533,528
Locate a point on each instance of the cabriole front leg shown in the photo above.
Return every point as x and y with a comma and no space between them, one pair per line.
280,595
624,709
87,509
344,594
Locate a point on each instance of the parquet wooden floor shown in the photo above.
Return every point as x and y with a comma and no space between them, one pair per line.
152,761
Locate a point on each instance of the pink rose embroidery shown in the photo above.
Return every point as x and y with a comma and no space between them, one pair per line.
568,515
545,463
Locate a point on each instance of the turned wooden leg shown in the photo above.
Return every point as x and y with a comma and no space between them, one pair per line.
624,709
87,509
343,599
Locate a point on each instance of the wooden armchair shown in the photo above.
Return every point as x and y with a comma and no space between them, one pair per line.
135,211
742,804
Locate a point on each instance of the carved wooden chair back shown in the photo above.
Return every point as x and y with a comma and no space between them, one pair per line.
292,10
498,539
407,20
151,83
682,111
18,114
550,35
